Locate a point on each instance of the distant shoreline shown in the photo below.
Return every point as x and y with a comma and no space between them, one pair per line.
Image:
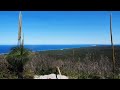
89,46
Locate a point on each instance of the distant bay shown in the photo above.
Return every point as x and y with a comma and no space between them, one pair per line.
6,48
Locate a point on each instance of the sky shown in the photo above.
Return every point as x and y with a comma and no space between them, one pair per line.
60,27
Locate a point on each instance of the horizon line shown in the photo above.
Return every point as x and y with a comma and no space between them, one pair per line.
61,44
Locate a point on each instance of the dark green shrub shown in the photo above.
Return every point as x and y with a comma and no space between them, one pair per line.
17,58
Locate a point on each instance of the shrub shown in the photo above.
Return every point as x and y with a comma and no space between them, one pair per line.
16,59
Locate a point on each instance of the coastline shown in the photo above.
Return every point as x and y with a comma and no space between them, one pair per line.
80,46
39,48
3,53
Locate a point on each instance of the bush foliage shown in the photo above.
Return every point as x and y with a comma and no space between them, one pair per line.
17,58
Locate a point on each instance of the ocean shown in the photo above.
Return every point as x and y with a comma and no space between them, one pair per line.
6,48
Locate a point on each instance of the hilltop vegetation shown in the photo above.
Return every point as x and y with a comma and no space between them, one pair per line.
79,63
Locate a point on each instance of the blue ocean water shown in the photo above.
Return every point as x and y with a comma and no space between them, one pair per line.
6,48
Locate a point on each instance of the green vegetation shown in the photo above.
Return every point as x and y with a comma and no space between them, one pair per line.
91,62
88,63
16,59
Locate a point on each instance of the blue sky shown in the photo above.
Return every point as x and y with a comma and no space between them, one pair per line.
60,27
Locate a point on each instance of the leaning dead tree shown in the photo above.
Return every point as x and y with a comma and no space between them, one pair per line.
59,70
